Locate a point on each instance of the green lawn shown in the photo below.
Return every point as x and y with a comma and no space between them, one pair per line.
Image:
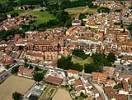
3,1
52,1
41,16
77,10
82,62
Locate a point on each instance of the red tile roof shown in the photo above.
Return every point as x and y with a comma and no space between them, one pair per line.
72,71
54,80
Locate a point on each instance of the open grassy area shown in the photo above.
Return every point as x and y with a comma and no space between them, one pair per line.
52,2
77,10
12,84
62,94
81,61
41,16
3,1
48,93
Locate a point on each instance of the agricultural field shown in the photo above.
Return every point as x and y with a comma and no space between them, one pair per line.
81,61
62,93
48,93
12,84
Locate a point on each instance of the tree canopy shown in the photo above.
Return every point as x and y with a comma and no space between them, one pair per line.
38,76
130,28
16,96
103,10
79,53
15,70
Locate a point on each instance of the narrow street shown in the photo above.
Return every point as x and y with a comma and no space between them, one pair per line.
101,91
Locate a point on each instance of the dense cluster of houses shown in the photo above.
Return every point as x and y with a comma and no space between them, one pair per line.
11,23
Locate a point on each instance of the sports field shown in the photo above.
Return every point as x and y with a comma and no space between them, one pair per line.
12,84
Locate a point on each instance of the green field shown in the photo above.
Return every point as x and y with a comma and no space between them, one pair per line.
52,2
77,10
3,1
41,16
81,61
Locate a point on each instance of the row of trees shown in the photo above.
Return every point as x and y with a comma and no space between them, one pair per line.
5,8
99,61
63,4
130,28
38,74
103,10
79,53
66,63
5,35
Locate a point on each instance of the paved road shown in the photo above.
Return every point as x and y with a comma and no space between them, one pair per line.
4,75
40,65
101,91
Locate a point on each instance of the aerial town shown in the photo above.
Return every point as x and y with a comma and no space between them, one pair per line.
65,50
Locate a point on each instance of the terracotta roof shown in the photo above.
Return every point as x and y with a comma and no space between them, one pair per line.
72,71
125,85
78,85
121,97
99,77
25,71
110,92
54,80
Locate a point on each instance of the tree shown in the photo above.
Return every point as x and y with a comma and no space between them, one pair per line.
82,16
103,10
90,3
64,62
15,70
77,67
62,16
79,53
68,23
111,57
118,86
16,96
99,59
26,62
38,76
37,69
130,28
89,68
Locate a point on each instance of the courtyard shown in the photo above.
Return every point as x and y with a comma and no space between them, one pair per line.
48,93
